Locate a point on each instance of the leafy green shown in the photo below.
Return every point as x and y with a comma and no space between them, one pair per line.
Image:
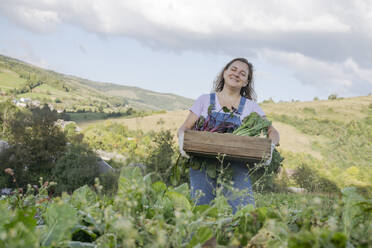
60,218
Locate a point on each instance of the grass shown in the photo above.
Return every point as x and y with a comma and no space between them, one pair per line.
170,120
294,201
346,108
86,117
10,80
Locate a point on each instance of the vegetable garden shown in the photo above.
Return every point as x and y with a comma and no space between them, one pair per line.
152,208
144,213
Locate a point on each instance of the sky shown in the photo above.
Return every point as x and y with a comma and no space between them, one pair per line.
299,49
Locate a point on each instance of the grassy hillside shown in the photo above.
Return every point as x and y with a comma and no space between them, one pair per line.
140,98
19,79
332,137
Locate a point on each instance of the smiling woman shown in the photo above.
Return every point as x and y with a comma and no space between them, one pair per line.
233,89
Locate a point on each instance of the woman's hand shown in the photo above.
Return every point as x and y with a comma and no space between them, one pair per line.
188,124
180,144
268,161
273,135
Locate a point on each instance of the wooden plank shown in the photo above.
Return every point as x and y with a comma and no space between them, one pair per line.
242,148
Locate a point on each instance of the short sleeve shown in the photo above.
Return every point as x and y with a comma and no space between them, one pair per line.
197,107
258,110
251,106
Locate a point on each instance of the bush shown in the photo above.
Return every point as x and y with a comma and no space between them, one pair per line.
309,110
38,149
160,156
77,167
109,181
332,97
308,179
36,142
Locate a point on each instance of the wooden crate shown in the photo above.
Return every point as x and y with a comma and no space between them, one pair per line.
240,148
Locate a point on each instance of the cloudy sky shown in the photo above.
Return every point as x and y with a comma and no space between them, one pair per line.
300,49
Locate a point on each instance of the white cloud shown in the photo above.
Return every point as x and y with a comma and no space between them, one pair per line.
321,40
346,78
23,51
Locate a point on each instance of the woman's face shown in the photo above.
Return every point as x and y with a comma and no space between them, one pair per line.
236,75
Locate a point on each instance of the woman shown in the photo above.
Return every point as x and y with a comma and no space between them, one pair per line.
233,88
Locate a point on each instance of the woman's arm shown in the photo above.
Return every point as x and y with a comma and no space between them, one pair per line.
188,124
273,135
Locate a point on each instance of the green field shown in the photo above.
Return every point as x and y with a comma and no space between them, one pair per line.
10,80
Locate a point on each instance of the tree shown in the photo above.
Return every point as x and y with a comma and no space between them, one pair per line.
36,143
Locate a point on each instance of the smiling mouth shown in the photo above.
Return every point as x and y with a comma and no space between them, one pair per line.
234,78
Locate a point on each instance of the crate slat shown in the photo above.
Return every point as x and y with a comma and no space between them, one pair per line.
241,148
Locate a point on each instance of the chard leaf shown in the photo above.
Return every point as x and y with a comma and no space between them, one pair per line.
201,236
179,201
225,109
60,218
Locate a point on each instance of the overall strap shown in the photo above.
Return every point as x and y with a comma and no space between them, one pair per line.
212,100
241,104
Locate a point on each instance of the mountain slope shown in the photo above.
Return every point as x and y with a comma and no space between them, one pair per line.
140,98
19,79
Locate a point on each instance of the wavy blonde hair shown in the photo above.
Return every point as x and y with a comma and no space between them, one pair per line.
246,91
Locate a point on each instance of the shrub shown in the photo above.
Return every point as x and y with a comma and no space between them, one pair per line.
109,181
270,100
77,167
309,110
38,149
332,97
307,178
35,143
161,156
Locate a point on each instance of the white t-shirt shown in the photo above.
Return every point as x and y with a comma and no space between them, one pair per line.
201,105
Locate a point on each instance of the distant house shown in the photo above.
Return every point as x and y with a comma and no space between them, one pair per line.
25,100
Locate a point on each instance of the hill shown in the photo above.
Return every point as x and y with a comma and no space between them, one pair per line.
19,79
332,137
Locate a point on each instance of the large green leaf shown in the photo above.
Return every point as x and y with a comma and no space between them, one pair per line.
179,201
201,236
83,197
108,240
18,227
60,218
182,189
159,187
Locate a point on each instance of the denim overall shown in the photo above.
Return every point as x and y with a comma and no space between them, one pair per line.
200,181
